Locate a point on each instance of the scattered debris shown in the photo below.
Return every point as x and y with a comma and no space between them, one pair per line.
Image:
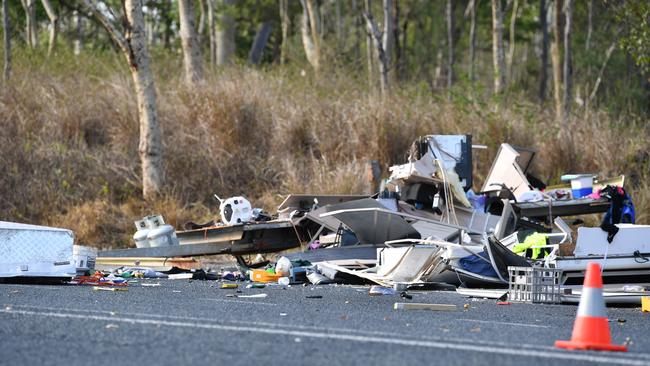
420,306
113,289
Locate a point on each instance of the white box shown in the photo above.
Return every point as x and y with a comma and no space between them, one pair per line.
35,251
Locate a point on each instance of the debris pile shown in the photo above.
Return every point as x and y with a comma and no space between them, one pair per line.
425,227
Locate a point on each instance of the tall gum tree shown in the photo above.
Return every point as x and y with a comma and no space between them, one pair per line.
133,43
497,47
192,64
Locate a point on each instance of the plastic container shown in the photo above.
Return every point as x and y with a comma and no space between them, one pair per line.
535,285
140,236
582,185
84,258
283,266
235,210
260,275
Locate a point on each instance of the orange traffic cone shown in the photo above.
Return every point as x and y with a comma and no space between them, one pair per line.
591,331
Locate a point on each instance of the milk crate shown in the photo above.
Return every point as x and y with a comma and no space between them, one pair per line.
535,285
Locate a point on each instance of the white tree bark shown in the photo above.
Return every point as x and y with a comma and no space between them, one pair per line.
567,67
497,47
200,29
192,63
511,43
381,54
608,54
78,26
472,39
556,57
212,31
590,23
31,30
286,23
388,38
369,48
134,46
450,42
543,74
310,30
6,71
54,25
225,33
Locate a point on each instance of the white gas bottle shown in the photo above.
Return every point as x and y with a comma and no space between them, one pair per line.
160,234
140,236
235,210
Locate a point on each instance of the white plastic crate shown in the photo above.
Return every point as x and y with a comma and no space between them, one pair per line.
535,285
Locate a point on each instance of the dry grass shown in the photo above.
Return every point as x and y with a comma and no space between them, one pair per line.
69,139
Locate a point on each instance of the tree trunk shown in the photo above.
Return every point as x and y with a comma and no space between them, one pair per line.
450,42
568,67
310,32
472,39
369,53
397,63
338,27
77,44
261,37
200,29
6,71
134,47
543,75
555,58
381,54
590,24
511,44
212,31
286,24
166,15
191,53
54,25
388,37
608,54
497,46
31,31
225,33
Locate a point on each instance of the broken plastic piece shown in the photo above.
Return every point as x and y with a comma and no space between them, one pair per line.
420,306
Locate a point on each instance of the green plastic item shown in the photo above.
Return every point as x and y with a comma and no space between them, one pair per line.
534,241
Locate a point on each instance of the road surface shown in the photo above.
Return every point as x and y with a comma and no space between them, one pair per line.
184,322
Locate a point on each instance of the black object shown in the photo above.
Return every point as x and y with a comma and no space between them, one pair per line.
611,230
613,216
227,212
535,182
419,192
502,257
494,206
190,225
314,297
406,296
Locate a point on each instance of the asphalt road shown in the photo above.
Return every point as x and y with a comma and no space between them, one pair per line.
181,322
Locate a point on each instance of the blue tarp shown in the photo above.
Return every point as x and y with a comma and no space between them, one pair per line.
479,265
